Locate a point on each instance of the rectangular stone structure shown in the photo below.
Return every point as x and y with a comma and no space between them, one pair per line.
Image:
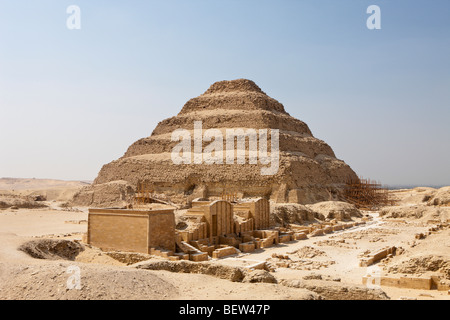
131,230
247,247
223,252
259,210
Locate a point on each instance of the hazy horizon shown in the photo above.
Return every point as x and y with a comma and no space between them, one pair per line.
392,186
74,100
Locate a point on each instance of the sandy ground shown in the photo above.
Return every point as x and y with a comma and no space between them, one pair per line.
42,222
375,235
102,277
38,184
52,190
336,256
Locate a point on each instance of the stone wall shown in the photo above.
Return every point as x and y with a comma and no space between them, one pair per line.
131,230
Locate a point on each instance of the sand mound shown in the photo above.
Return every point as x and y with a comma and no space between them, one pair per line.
15,201
43,189
422,212
97,256
259,276
286,213
336,210
128,258
441,197
34,184
417,195
97,282
111,194
234,274
52,249
53,194
423,264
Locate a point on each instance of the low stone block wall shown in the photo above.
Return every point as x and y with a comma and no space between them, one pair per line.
247,247
223,252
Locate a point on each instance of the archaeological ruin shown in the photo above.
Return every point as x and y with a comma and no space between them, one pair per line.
215,229
226,204
308,170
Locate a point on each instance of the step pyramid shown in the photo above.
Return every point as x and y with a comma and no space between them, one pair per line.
307,168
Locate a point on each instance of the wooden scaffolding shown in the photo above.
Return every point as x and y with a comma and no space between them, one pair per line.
366,193
143,194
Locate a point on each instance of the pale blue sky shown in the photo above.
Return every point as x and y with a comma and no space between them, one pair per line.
73,100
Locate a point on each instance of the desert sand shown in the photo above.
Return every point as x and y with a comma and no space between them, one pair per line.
319,267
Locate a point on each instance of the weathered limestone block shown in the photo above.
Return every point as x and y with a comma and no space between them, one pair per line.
300,236
267,242
328,229
377,256
174,258
199,256
317,232
207,249
182,256
223,252
247,247
421,283
284,238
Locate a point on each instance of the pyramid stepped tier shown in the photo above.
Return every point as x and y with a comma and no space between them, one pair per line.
290,142
223,118
233,101
308,169
239,94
